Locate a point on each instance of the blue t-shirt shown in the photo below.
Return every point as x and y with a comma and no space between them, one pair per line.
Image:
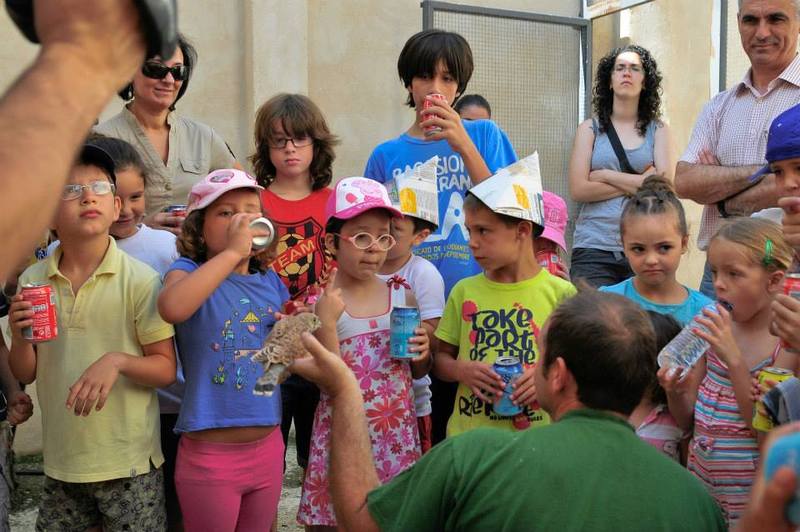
682,312
448,247
215,345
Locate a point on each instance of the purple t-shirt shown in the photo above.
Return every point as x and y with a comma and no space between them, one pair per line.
215,345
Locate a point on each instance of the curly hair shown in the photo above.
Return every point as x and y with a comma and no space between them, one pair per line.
192,245
298,116
649,100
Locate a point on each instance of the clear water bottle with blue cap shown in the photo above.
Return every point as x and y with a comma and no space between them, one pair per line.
686,348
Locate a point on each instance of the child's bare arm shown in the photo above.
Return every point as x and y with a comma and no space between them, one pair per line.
328,308
184,292
22,355
787,360
156,368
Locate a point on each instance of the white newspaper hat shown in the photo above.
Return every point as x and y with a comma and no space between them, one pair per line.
415,192
515,191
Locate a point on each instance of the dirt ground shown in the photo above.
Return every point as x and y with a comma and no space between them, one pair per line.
26,498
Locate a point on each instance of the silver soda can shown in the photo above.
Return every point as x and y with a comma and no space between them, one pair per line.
403,321
509,369
263,241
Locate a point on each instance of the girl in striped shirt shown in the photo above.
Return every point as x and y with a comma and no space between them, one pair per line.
749,258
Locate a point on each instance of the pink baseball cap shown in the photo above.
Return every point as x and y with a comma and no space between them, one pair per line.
555,219
217,183
356,195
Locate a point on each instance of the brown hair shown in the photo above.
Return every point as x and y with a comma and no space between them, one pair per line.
298,116
192,245
654,196
753,234
619,336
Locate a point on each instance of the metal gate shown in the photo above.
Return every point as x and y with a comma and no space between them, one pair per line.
535,70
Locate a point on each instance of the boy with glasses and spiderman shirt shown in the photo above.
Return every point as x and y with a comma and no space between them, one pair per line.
102,454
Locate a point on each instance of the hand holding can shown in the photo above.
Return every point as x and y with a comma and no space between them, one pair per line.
403,324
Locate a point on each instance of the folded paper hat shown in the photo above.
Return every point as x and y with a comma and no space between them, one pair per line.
515,191
415,192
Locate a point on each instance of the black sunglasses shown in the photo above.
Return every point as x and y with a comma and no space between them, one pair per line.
156,70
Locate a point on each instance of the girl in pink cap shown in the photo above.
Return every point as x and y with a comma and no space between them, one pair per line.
230,456
354,310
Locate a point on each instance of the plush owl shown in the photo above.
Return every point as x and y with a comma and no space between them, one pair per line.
282,346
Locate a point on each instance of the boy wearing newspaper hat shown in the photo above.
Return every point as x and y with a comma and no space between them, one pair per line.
414,193
500,311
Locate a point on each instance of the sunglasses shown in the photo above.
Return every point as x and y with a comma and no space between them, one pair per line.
156,70
99,188
365,241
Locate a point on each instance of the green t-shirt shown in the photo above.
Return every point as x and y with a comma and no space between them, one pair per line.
485,320
588,471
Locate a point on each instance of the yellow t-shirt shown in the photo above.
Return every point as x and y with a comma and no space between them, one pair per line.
114,310
485,320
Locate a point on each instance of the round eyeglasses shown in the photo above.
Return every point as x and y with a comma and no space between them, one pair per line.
75,191
365,241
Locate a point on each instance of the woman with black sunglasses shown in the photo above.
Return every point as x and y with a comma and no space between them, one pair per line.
178,150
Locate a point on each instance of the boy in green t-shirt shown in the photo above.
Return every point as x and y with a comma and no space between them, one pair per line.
498,312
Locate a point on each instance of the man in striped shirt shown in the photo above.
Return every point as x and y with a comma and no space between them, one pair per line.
730,137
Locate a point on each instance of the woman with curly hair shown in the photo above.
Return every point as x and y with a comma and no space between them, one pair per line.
626,101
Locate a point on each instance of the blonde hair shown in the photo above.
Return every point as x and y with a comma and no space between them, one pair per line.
763,241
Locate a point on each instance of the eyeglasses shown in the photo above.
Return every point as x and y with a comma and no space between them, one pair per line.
365,241
100,188
156,70
634,69
298,142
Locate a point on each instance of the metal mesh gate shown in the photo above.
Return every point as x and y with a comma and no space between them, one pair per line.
533,70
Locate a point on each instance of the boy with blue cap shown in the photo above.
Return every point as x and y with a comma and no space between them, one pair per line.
783,160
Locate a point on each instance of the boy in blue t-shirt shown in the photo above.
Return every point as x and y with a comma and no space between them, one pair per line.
440,62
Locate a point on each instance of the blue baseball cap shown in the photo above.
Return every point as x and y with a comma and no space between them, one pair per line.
783,141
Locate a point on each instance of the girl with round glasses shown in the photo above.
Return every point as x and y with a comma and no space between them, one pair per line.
354,310
604,172
178,150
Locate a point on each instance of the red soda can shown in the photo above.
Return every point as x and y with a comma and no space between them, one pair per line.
176,210
791,287
551,261
429,130
45,324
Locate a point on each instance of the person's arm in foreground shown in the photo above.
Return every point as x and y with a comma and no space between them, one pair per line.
766,510
89,50
352,471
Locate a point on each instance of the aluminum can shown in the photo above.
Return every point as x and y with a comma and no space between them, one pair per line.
551,261
509,369
791,287
402,322
429,130
45,323
785,451
761,420
263,242
176,210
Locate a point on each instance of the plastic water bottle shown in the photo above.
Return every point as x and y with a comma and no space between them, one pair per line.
686,348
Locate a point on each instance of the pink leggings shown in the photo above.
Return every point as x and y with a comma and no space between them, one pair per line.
229,486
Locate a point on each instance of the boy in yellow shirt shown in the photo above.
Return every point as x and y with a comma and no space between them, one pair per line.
102,453
498,312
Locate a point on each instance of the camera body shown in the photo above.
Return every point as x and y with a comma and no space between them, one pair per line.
159,23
